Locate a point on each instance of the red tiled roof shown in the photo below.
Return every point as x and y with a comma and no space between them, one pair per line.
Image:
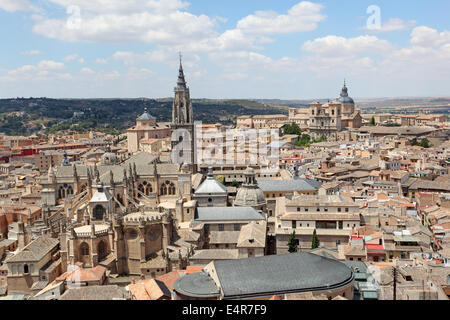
193,269
374,246
169,278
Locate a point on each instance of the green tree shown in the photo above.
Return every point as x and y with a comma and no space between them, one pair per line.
305,141
221,179
372,121
425,143
315,241
292,243
292,129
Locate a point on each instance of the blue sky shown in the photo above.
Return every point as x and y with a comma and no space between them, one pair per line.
231,49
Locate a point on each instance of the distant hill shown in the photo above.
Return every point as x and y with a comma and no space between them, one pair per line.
44,115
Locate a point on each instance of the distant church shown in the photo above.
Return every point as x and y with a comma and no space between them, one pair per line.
328,119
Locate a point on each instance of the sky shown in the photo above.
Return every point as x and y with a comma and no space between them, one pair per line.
245,49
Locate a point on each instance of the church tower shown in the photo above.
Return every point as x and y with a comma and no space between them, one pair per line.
182,105
183,124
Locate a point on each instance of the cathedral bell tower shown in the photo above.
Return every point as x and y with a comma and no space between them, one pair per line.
182,141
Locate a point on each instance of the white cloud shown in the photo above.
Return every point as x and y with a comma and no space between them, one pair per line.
302,17
334,45
71,57
31,53
124,6
394,24
426,37
159,22
50,65
15,5
101,61
86,71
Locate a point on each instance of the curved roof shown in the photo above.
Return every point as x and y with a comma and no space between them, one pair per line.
345,99
249,196
199,285
295,272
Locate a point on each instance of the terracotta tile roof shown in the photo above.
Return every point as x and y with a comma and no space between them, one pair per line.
193,269
169,278
84,275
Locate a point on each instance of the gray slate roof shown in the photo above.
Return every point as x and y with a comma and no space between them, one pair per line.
288,185
267,275
228,214
36,250
211,185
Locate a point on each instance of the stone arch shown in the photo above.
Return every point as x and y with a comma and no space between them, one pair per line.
141,189
131,234
62,192
168,188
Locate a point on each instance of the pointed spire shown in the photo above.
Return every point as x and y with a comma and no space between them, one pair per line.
181,80
344,92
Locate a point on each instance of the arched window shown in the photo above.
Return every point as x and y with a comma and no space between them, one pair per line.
26,269
84,249
69,190
62,192
99,212
131,234
172,189
149,189
141,189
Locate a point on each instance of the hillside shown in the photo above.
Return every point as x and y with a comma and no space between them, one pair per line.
44,115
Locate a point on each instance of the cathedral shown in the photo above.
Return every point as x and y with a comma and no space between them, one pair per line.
328,119
124,212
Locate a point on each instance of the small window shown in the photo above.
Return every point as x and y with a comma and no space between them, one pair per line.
221,227
346,209
306,209
339,210
237,227
298,209
294,224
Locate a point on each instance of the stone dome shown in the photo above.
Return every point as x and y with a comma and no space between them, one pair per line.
249,194
109,158
344,98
